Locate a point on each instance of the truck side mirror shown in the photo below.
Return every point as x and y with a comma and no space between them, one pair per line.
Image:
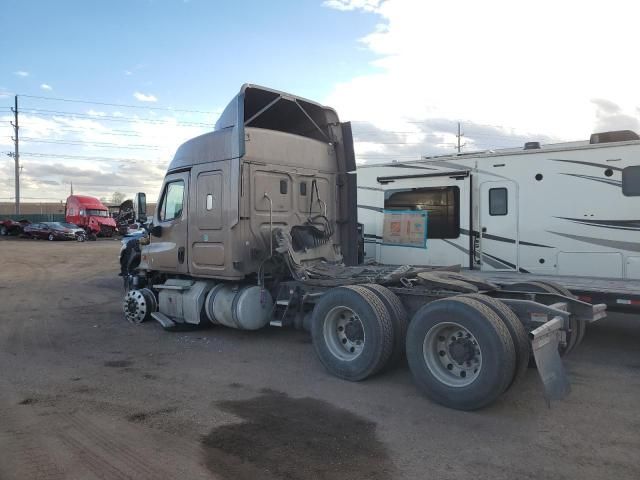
141,207
156,230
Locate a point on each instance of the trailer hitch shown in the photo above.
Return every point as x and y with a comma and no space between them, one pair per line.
544,343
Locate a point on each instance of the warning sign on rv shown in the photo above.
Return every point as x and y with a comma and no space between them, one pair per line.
405,227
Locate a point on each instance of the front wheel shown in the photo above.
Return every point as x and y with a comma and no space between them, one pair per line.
51,237
138,305
460,353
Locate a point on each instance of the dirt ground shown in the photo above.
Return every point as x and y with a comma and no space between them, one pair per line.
84,395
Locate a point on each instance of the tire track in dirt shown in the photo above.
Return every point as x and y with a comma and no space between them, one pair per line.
22,448
104,448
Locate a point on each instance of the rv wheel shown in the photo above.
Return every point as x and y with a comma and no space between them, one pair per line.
460,353
352,332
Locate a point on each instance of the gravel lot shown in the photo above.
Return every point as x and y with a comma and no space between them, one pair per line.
85,395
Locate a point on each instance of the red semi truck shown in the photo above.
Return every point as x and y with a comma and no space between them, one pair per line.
90,214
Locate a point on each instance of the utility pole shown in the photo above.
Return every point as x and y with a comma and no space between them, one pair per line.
16,153
460,135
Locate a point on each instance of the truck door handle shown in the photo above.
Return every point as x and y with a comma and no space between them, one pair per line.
181,255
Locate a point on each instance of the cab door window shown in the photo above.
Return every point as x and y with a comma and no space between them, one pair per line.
172,201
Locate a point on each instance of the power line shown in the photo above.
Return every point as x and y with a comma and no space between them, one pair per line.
88,102
83,157
93,144
113,118
118,133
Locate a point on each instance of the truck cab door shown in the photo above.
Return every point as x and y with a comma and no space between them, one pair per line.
167,251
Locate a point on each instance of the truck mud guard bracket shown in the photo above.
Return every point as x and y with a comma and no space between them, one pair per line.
582,310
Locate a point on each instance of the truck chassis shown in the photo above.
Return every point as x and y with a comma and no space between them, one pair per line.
466,339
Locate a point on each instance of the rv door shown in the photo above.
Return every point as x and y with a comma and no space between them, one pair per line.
499,225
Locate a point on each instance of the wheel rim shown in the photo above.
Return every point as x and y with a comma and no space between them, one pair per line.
452,354
51,237
135,306
344,333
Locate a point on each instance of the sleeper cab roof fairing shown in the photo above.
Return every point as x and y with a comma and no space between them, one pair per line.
259,107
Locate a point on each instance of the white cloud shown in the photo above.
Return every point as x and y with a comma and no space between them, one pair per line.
21,73
128,72
535,70
45,86
100,156
142,97
348,5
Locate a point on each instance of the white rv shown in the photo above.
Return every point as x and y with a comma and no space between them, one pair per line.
570,209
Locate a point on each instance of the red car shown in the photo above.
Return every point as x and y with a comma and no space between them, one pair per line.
12,227
55,231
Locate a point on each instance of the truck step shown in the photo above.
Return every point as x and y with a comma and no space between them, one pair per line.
283,302
276,323
163,320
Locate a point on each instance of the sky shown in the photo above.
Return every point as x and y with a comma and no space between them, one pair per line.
154,73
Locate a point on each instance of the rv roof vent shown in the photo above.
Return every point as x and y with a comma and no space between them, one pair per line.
531,145
614,136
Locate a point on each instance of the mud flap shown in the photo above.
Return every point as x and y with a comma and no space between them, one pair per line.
544,342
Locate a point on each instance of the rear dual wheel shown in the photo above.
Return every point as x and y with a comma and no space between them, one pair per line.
460,353
352,332
516,329
399,320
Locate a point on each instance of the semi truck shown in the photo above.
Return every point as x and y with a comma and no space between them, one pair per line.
256,226
90,214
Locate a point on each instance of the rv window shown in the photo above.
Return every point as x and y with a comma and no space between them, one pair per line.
498,201
172,199
441,203
631,181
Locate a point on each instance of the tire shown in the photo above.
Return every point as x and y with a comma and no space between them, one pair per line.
343,317
138,305
574,325
3,231
399,320
490,372
81,238
51,237
516,329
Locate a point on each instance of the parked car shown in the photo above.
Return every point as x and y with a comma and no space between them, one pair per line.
12,227
55,231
